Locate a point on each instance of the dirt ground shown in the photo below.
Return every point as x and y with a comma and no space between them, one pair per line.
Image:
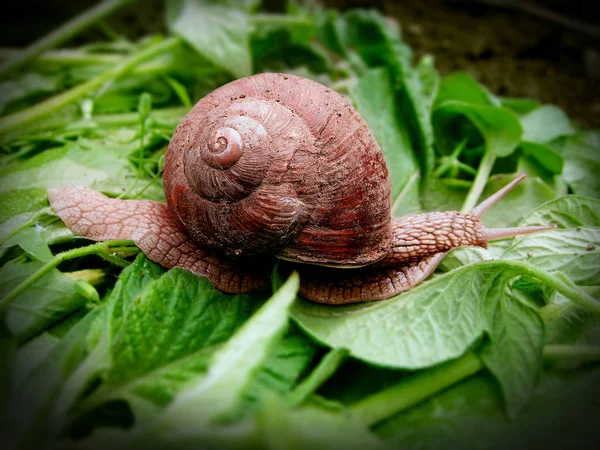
512,52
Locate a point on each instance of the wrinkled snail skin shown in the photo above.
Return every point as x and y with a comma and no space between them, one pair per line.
279,165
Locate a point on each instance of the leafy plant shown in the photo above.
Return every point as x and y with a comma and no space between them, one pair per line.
103,347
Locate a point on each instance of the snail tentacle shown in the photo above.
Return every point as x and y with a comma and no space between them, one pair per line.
149,224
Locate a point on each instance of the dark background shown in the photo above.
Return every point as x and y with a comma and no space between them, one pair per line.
505,44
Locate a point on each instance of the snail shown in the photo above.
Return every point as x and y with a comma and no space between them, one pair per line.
279,165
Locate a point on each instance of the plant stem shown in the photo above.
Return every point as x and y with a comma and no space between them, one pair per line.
14,121
564,286
326,368
114,120
260,20
415,389
99,248
62,34
572,352
483,173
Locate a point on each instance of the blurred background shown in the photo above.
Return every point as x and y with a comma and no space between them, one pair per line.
549,50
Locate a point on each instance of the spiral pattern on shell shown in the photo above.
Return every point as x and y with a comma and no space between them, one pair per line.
278,163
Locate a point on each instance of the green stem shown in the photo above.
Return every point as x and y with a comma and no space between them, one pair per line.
415,389
114,120
561,353
326,368
14,121
483,173
106,247
67,57
564,286
260,20
62,34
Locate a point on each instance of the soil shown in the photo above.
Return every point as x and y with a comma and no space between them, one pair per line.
512,52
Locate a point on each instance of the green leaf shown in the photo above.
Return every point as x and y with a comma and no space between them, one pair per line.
30,356
566,212
543,156
210,397
106,328
374,99
470,415
460,86
42,304
449,194
167,337
574,251
30,87
545,124
280,371
219,32
434,322
367,34
514,355
19,201
311,427
33,398
499,127
529,194
582,162
520,105
102,164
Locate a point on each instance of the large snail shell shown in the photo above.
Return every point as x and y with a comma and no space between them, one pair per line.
278,163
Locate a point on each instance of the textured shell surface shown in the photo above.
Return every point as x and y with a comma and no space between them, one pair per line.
280,164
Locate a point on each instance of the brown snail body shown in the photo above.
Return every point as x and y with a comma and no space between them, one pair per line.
276,164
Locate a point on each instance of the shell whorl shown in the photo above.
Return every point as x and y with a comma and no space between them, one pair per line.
278,163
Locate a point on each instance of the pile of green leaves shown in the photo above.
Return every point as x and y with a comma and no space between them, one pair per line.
103,347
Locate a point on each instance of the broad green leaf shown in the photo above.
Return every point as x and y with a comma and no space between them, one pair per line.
206,399
377,42
280,371
529,194
545,124
101,164
499,127
543,156
105,329
448,194
42,304
568,323
566,212
373,96
434,322
313,427
14,202
33,398
31,355
30,86
167,336
460,86
582,162
574,251
520,105
563,411
515,353
219,32
14,231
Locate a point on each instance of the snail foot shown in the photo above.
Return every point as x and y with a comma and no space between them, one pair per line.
149,224
375,282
